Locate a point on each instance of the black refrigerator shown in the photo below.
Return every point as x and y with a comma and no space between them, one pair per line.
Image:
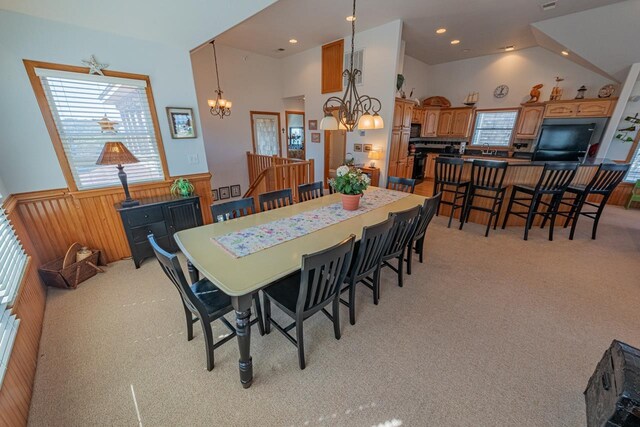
563,142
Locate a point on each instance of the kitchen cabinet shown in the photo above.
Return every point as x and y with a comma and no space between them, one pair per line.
430,123
402,113
561,110
529,121
417,115
430,168
400,134
580,108
595,108
455,122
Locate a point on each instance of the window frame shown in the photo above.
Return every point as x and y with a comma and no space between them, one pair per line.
517,110
633,152
53,130
253,133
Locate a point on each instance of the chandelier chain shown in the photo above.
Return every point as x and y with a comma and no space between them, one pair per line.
215,60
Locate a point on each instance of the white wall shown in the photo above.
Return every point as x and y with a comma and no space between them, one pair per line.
301,76
416,77
253,83
519,70
3,190
27,158
615,148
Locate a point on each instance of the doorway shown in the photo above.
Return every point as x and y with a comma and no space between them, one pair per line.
296,147
335,150
265,133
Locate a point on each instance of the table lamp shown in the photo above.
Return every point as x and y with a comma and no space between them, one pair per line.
374,155
115,153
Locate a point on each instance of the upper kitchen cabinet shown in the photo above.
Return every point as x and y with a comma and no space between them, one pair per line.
430,122
455,122
529,121
402,114
332,58
418,115
580,108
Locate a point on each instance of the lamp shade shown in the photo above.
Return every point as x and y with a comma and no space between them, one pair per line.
329,123
366,122
375,155
378,123
115,153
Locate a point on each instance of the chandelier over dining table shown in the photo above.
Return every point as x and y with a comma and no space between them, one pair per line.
218,107
353,110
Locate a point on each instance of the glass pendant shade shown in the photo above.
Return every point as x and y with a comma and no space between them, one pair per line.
366,122
378,123
329,123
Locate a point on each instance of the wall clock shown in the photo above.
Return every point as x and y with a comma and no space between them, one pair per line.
501,91
606,91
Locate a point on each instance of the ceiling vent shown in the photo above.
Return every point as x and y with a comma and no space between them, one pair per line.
548,5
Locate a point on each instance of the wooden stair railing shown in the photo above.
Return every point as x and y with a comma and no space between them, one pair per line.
271,173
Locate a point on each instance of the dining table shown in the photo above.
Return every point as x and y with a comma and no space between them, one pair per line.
242,276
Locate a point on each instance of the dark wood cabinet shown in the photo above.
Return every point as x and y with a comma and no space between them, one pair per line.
161,216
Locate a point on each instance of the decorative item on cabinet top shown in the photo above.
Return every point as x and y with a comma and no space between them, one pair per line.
182,187
436,101
534,94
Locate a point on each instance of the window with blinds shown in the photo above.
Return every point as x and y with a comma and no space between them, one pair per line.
494,127
13,262
358,63
634,171
90,110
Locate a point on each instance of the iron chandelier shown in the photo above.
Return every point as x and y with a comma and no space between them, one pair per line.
218,107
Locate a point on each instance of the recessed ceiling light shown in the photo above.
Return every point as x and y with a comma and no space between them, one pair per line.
509,48
456,41
351,18
280,49
548,6
441,30
293,41
565,53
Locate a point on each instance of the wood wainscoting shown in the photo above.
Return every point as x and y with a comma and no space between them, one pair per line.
15,395
55,219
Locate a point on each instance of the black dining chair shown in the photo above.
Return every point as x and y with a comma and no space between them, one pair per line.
448,179
404,227
310,191
302,294
275,199
203,300
487,177
406,185
416,242
235,209
553,181
366,263
605,180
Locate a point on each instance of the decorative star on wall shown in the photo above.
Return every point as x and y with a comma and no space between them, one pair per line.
94,66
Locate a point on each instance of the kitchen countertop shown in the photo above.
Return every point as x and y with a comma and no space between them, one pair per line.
524,162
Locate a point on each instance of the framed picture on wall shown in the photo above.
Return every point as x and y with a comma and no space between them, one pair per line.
315,137
313,125
235,191
368,147
181,123
357,148
224,193
214,194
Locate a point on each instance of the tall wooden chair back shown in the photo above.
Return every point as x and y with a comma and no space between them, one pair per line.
607,178
488,174
556,177
275,199
235,209
406,185
428,211
310,191
370,249
404,226
448,170
322,275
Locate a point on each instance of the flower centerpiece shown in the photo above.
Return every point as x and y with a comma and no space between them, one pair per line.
351,183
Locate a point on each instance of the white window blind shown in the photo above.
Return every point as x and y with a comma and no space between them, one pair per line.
634,171
494,127
78,102
358,63
13,262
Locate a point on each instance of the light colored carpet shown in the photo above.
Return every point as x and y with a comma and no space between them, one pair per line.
488,331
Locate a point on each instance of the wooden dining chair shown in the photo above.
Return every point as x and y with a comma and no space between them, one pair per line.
310,191
406,185
275,199
235,209
448,180
428,211
203,300
366,263
404,226
304,293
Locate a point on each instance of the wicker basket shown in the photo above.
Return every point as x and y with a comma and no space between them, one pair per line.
54,274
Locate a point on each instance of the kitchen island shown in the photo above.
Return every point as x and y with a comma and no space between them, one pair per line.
520,171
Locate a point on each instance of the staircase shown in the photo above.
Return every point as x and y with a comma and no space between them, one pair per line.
270,173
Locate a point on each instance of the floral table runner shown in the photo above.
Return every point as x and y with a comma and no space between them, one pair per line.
253,239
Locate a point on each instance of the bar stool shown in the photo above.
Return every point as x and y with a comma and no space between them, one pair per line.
553,181
486,183
448,179
605,180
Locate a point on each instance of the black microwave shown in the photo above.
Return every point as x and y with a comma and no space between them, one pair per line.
415,130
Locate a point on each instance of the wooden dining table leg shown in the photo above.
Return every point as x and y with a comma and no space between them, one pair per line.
242,306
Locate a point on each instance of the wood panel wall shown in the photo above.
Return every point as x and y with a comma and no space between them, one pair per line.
15,395
58,218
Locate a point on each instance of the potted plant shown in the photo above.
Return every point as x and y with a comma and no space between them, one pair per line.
182,187
350,182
